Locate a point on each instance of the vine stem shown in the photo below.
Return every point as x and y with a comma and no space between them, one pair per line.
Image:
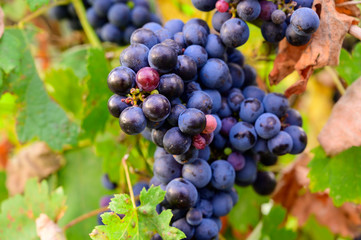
84,217
40,11
124,163
80,11
336,80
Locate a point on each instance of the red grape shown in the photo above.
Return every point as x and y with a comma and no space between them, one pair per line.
147,79
199,142
211,124
222,6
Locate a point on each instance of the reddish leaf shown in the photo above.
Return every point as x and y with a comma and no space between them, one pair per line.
293,193
343,129
323,49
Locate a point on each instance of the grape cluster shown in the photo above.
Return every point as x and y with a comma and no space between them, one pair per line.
67,12
115,21
293,19
197,101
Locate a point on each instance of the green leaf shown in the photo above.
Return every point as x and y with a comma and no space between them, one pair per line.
271,228
249,204
313,230
349,67
74,58
96,112
35,4
139,223
338,174
38,115
81,180
11,51
64,87
19,213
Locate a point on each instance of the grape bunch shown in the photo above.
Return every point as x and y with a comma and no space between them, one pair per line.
293,19
197,100
115,21
67,13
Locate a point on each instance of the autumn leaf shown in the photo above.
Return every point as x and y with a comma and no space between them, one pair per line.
293,193
343,129
323,49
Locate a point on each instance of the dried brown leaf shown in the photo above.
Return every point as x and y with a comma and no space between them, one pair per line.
343,128
323,49
292,192
47,229
36,160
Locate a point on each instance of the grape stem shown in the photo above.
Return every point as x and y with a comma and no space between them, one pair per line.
89,32
40,12
84,217
336,80
124,163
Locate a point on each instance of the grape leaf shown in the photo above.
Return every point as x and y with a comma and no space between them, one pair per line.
10,55
74,58
39,116
19,213
269,227
139,223
35,4
96,112
83,190
64,87
338,174
249,204
349,68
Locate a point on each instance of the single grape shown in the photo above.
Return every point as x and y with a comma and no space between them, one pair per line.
199,142
222,204
247,175
198,54
293,117
223,175
119,15
211,124
135,57
110,33
237,74
156,107
107,183
175,142
265,183
93,18
132,120
201,101
174,114
278,16
195,34
198,172
296,39
267,8
188,157
235,100
243,136
254,92
214,47
144,36
208,229
204,153
214,73
182,225
305,21
174,26
192,121
237,160
204,5
251,109
276,103
194,217
174,45
216,99
181,193
272,32
219,18
248,10
222,6
128,33
163,34
227,124
186,68
152,26
280,144
147,79
140,16
234,32
299,138
116,105
157,136
162,58
166,169
171,86
225,110
250,76
267,125
102,7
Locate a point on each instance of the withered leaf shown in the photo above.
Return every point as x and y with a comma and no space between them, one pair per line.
35,160
47,229
322,50
343,128
292,192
